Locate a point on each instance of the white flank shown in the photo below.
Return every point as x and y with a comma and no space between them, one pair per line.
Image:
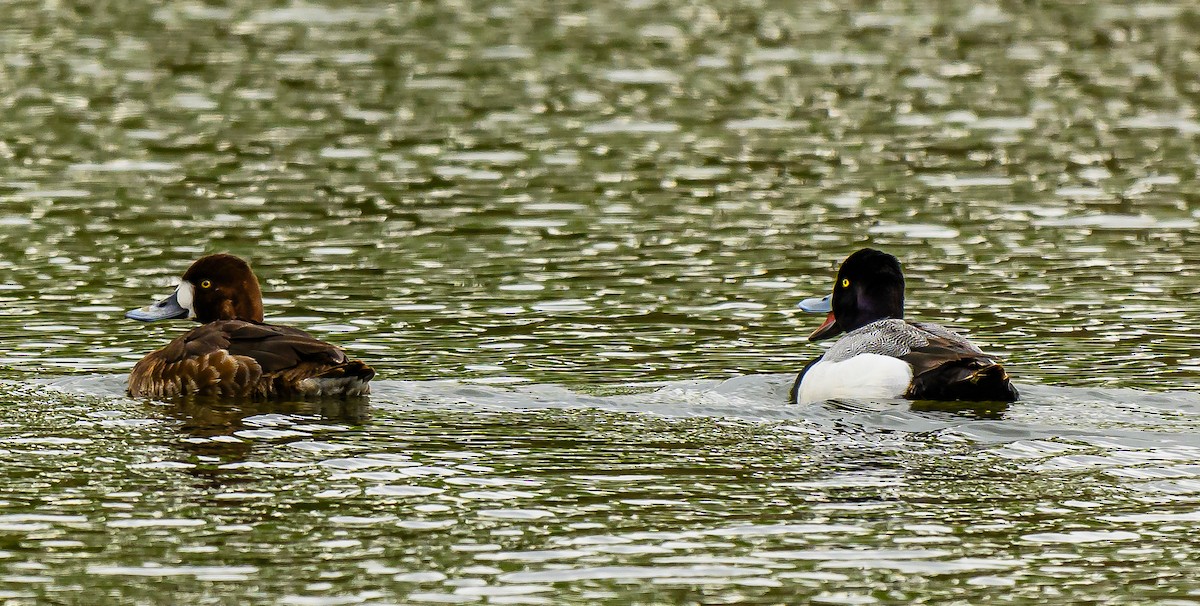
864,376
185,294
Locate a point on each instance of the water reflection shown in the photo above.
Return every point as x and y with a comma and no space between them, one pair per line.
543,226
461,491
419,196
227,431
977,410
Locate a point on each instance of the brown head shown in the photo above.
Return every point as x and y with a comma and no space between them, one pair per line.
216,287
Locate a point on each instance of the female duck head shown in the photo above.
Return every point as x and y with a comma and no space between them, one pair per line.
216,287
869,287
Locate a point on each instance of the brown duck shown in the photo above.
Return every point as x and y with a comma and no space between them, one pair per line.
233,353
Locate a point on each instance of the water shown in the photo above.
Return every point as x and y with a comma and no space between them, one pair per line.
696,491
570,240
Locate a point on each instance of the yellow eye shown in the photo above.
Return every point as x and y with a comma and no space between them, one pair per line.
206,284
845,283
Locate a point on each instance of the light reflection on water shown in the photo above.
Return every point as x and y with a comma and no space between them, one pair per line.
453,491
654,190
545,227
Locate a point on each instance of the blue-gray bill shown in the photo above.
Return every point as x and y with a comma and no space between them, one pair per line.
821,305
817,305
167,309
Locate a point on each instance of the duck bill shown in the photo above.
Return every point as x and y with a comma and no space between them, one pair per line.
167,309
822,305
817,305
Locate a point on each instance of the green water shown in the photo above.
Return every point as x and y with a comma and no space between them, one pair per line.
555,229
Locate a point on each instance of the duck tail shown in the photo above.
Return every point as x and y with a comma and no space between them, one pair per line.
347,379
357,369
351,369
972,379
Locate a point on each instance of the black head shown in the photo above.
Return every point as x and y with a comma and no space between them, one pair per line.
869,287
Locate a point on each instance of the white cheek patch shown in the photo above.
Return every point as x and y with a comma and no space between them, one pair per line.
184,295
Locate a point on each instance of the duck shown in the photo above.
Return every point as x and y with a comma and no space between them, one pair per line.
234,353
882,355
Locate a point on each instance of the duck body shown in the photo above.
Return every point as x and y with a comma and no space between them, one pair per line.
897,359
240,359
881,355
233,353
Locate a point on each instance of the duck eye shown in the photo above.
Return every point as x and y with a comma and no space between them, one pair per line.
206,284
845,283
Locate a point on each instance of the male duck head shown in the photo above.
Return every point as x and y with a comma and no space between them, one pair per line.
869,287
216,287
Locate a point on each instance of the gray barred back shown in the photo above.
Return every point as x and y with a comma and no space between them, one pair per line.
895,338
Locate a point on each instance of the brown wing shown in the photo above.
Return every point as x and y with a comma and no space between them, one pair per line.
294,363
279,348
197,362
951,368
940,351
238,358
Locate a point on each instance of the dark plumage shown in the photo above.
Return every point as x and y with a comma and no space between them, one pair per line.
867,304
953,369
234,353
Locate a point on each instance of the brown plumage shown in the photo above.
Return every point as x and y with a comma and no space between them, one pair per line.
949,368
233,353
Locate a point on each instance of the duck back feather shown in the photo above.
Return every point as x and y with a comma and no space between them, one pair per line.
949,367
238,358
